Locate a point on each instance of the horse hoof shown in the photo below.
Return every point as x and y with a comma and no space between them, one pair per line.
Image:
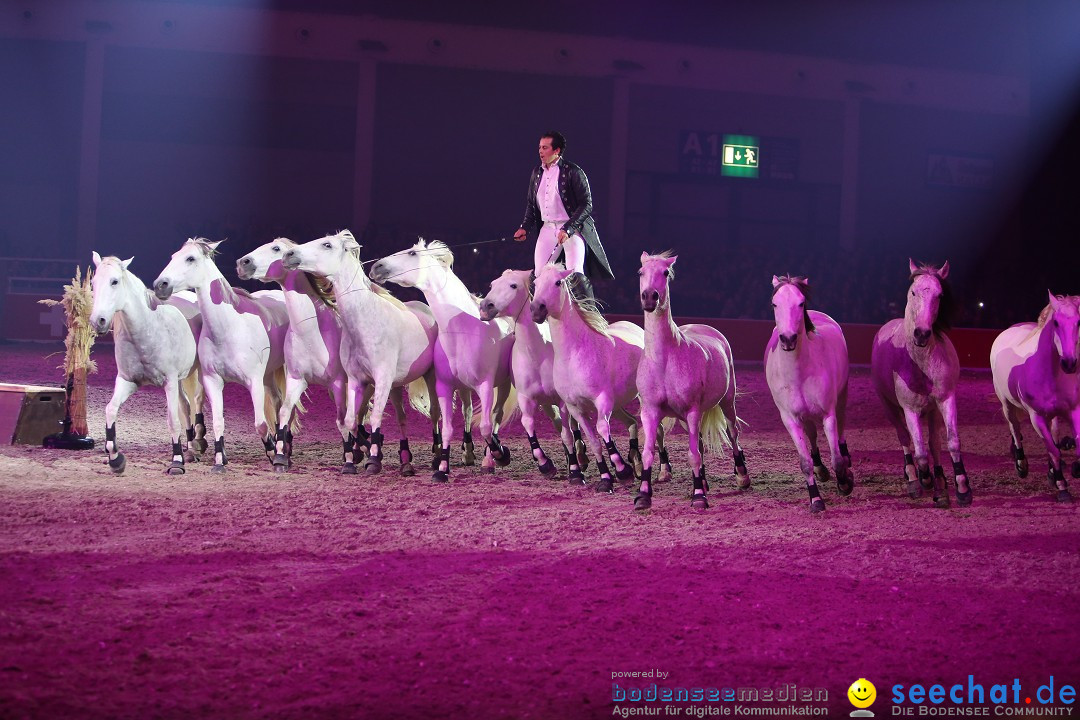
665,475
118,463
927,482
280,467
373,466
218,469
699,502
817,506
503,458
845,488
626,473
440,476
407,469
190,457
468,458
575,478
914,489
487,469
821,473
942,502
1067,443
348,469
642,502
963,499
1022,468
435,463
177,468
1064,496
547,467
200,445
743,479
605,486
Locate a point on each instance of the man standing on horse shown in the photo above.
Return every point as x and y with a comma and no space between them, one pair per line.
558,213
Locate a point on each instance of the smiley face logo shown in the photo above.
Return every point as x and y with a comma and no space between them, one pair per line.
862,693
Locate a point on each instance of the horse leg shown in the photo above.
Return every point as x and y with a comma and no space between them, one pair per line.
596,445
192,387
435,414
922,455
122,390
262,405
841,424
1075,470
832,435
379,399
174,420
1055,474
727,406
528,407
354,392
486,392
933,435
338,389
797,430
468,449
580,449
698,501
446,407
947,408
633,453
404,453
499,452
821,473
604,407
650,421
294,390
214,385
1016,445
574,469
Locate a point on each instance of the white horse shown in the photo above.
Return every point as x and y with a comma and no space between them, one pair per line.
154,344
386,344
595,367
1034,367
532,360
686,372
806,367
312,342
242,340
916,371
471,355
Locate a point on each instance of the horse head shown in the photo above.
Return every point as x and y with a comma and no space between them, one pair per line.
508,295
324,257
419,266
109,290
1065,315
928,299
790,294
550,294
265,262
190,267
654,277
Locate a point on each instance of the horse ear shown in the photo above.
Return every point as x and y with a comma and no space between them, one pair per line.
214,245
127,262
912,266
351,244
775,281
644,257
97,258
944,271
1053,299
672,260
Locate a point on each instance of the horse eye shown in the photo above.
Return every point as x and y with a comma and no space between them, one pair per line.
667,274
115,282
413,253
190,259
276,249
802,304
640,273
513,286
558,283
774,306
328,246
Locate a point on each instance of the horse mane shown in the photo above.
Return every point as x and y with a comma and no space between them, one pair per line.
947,301
438,250
230,293
151,298
590,311
664,255
322,287
803,286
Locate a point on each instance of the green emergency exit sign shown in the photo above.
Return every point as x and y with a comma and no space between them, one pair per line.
740,156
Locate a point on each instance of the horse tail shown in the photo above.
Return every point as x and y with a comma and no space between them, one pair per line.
714,429
419,399
510,409
271,408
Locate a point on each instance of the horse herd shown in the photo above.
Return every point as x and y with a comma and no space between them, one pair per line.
533,344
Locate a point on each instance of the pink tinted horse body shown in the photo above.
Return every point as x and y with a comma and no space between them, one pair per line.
806,367
595,369
1035,375
242,339
686,372
916,371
